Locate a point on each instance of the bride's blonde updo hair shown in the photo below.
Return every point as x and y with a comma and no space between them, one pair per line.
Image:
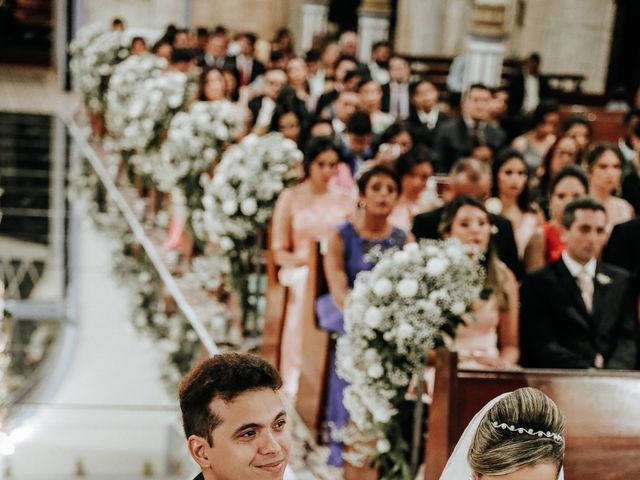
500,451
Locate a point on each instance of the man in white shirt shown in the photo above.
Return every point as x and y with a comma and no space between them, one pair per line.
578,312
425,115
379,65
395,95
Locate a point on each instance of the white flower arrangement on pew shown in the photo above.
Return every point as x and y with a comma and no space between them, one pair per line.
194,145
124,86
394,315
239,199
94,52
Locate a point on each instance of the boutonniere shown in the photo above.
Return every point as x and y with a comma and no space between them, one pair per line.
494,230
603,279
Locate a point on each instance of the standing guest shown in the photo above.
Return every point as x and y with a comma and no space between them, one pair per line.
232,91
414,169
117,25
262,106
396,140
182,60
182,39
425,116
212,85
303,214
343,66
489,337
283,42
580,129
563,152
138,46
569,184
396,99
456,136
578,312
370,94
357,149
511,200
297,74
622,249
340,111
288,121
215,54
234,419
348,43
249,68
202,37
316,75
631,182
329,59
535,143
473,178
528,87
163,49
625,143
604,165
354,248
379,65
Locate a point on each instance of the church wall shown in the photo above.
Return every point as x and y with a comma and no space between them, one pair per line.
138,14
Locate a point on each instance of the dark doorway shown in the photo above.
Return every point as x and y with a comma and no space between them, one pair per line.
624,64
26,28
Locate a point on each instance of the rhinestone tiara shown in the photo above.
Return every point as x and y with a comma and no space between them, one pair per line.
529,431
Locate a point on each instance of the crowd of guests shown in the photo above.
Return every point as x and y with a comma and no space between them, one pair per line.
388,161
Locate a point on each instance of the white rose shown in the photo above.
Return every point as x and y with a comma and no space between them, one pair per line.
407,288
226,244
373,317
375,371
229,207
405,330
458,308
383,287
411,248
401,257
383,445
249,206
371,355
437,266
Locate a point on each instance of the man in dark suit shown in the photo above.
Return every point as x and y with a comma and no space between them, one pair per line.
396,99
425,116
215,54
527,87
623,248
263,106
472,177
247,66
578,312
234,419
457,136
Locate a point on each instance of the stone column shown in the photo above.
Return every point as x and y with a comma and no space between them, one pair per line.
373,25
486,46
313,21
419,27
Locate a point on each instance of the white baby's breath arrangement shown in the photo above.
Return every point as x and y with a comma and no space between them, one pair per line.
94,53
239,199
194,144
395,313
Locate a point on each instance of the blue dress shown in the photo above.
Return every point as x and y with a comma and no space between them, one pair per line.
360,255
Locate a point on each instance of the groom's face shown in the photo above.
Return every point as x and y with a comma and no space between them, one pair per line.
540,471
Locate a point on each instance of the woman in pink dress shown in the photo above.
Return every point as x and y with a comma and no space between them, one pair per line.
604,165
489,337
304,214
511,200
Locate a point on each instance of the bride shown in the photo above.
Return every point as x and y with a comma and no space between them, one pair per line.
516,436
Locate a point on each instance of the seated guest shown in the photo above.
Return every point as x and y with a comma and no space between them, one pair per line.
357,149
396,140
355,247
604,165
569,184
578,312
379,65
303,214
511,200
212,85
395,94
340,111
489,337
289,121
455,138
563,152
580,129
473,178
414,169
425,116
631,182
234,419
535,143
370,94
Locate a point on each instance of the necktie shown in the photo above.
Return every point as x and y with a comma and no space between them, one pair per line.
585,282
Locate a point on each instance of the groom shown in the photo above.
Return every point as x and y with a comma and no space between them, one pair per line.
578,312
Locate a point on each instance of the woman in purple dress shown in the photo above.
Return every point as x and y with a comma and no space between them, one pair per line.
356,246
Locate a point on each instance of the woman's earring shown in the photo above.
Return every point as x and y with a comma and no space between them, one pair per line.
361,205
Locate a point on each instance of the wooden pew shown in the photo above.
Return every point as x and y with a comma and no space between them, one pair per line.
276,303
607,126
602,411
315,347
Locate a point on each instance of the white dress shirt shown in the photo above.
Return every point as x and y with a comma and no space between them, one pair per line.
429,119
575,267
399,100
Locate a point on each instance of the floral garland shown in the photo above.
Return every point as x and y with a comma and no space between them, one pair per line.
94,53
395,313
194,144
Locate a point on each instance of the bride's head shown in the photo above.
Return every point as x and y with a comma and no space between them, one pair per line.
499,450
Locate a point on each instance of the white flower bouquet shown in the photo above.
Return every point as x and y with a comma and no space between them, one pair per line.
94,52
195,141
239,199
395,313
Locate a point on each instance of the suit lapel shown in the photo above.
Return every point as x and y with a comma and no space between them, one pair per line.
570,285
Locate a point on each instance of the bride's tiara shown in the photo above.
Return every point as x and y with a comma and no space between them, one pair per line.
529,431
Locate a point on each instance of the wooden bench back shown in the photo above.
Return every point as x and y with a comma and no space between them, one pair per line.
601,408
607,126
